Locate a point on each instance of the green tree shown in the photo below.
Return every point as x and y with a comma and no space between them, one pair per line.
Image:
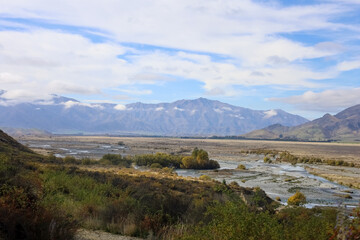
189,162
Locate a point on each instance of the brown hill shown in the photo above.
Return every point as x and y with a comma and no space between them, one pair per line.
344,126
8,144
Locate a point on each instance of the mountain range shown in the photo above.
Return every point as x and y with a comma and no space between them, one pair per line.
199,117
344,126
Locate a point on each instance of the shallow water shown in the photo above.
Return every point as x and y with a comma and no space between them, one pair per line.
76,149
280,180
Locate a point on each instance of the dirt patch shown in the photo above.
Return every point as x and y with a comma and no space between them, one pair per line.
83,234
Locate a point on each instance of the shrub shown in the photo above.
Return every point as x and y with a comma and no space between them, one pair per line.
189,162
205,178
297,199
241,167
70,160
267,159
88,161
156,165
235,221
115,159
164,159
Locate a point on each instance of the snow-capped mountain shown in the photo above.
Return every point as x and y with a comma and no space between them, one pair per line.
181,118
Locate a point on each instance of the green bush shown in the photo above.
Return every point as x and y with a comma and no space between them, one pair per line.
88,161
241,167
70,160
156,165
164,159
205,178
199,159
234,220
115,159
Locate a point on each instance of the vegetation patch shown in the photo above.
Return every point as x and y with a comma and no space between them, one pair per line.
297,199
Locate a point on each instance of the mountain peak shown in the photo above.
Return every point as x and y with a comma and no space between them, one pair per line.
60,99
343,126
353,111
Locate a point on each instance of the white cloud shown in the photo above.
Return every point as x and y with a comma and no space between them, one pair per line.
227,108
120,107
70,104
248,34
209,26
178,109
348,65
326,101
135,91
20,95
270,113
159,109
9,78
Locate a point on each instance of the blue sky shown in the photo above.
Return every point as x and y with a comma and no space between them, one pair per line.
299,56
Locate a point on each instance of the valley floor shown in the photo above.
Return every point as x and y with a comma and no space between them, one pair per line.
225,149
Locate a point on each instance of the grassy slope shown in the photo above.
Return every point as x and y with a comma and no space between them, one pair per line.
123,202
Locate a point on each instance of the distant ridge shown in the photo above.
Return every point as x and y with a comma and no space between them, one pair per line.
198,117
344,126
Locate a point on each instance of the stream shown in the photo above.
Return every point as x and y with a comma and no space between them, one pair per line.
281,180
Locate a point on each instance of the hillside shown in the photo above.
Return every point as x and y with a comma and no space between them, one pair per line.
8,145
199,117
344,126
51,198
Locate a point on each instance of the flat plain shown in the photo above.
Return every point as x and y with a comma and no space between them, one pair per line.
217,148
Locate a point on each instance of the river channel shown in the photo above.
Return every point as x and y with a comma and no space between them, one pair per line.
281,180
276,179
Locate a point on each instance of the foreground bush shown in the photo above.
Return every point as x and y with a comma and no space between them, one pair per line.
22,215
131,205
235,221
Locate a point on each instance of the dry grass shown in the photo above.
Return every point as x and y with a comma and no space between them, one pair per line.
226,149
342,175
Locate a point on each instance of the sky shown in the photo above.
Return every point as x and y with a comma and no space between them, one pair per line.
300,56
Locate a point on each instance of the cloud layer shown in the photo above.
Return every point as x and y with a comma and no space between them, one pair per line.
80,47
326,101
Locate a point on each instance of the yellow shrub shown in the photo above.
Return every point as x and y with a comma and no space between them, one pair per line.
297,199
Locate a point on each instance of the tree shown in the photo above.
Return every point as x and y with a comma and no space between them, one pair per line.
202,158
189,162
195,153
